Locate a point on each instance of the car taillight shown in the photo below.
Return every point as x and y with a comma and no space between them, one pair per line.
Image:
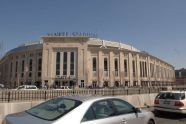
156,101
179,104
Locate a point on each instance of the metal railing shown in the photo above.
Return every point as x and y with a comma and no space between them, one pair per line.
33,95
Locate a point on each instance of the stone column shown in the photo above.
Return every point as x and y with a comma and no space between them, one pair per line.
138,70
89,69
81,65
148,71
111,70
121,68
68,64
100,68
130,70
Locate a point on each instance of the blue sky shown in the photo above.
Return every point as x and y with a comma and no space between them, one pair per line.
155,26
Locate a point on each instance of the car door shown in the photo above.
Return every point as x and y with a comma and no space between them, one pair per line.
100,112
126,113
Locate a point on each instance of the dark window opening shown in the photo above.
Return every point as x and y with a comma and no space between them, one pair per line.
39,74
39,64
30,65
94,64
72,63
30,74
134,68
23,65
58,63
125,68
105,64
65,63
16,66
116,67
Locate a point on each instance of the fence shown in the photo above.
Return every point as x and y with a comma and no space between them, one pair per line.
32,95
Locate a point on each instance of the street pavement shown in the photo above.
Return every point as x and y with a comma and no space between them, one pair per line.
169,118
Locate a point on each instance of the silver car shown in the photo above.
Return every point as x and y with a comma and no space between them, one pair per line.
170,101
83,110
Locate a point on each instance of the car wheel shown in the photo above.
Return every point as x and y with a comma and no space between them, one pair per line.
151,122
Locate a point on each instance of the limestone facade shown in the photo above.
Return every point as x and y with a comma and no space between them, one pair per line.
82,62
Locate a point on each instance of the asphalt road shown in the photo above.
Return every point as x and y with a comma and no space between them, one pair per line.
170,118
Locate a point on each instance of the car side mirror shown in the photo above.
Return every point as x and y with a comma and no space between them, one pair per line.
138,110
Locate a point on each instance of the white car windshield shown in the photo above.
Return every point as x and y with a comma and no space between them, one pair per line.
54,108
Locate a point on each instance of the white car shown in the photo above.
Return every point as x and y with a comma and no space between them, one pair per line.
170,101
2,86
63,88
83,110
27,87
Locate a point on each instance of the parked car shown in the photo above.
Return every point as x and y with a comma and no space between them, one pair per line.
82,110
170,101
27,87
63,88
2,86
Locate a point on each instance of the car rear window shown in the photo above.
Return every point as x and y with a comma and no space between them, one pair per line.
173,96
53,109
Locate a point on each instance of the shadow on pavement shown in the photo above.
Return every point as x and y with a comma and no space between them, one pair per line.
172,116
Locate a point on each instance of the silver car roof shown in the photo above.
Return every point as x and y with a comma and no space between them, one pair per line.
87,97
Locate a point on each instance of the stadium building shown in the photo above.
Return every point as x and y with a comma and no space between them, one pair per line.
82,61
